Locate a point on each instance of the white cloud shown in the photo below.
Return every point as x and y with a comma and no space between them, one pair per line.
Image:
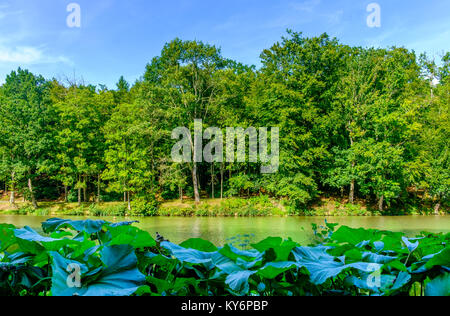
27,55
5,12
15,46
305,6
335,17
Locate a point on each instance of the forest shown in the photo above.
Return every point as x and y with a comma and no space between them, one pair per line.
368,125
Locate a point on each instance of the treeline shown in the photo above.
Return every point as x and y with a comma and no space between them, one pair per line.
369,124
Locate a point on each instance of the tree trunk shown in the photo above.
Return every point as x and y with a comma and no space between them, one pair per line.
129,201
352,192
195,180
65,194
85,189
381,204
79,190
125,197
351,197
437,208
180,190
221,181
212,180
33,198
12,197
195,183
98,189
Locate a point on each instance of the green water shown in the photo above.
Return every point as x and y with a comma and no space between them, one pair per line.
218,230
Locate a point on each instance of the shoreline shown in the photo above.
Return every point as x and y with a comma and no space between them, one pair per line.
228,207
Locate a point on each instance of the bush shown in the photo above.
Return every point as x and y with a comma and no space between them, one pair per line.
72,196
42,212
113,210
111,197
79,211
238,184
144,206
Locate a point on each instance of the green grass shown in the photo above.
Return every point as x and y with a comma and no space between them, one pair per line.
228,207
232,207
68,209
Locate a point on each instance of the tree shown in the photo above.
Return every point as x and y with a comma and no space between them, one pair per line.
185,71
431,163
294,91
364,122
122,93
130,136
358,89
28,121
82,114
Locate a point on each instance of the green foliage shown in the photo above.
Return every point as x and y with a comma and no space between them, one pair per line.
233,207
27,120
121,260
364,123
145,206
113,210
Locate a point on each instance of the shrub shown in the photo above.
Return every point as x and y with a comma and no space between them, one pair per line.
144,206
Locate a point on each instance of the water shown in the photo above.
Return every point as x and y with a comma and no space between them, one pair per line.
218,230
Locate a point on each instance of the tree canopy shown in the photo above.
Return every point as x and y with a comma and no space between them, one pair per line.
366,124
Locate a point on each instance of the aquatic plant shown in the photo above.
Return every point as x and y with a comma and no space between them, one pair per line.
84,258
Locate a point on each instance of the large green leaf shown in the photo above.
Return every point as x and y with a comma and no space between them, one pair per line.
29,234
7,237
402,279
281,247
89,226
129,235
273,269
376,258
199,244
238,281
235,254
369,283
118,276
355,236
270,242
440,259
439,286
61,275
31,240
191,256
323,266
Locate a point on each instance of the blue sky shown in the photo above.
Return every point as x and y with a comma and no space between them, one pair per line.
119,37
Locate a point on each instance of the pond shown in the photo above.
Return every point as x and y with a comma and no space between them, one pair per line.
219,230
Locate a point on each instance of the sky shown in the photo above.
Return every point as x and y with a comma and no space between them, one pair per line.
119,37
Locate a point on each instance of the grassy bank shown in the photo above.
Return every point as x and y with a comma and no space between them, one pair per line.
230,207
